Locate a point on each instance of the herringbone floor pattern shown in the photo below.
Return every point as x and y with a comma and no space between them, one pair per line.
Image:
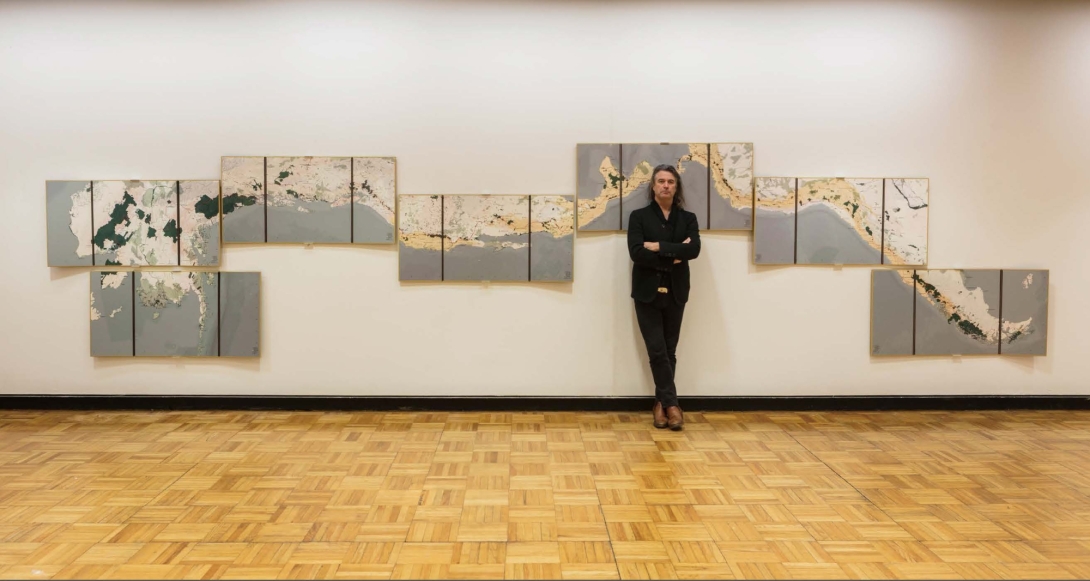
544,495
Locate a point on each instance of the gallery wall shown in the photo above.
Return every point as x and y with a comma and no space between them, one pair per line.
990,101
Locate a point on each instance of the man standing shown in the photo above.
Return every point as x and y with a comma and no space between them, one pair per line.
662,239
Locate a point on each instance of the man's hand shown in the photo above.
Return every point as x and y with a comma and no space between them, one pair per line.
686,241
652,246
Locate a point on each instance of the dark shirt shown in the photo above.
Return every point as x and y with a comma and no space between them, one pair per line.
652,270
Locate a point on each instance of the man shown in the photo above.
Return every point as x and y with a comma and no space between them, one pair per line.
662,239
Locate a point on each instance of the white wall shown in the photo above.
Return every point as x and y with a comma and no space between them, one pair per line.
990,101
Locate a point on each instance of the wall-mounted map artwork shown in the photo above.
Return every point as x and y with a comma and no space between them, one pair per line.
133,223
486,238
420,238
309,199
374,198
855,221
959,312
199,216
637,163
175,314
774,223
613,180
1024,324
905,222
893,312
240,314
552,238
730,201
68,223
839,221
111,314
598,187
243,180
303,200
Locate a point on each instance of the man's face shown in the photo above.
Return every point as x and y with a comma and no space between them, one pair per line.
665,186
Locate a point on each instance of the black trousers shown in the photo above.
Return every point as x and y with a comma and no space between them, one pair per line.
660,325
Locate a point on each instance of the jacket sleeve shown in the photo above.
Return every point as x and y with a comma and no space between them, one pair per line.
641,255
681,250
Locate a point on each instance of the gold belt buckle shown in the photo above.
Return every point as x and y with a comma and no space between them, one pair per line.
663,290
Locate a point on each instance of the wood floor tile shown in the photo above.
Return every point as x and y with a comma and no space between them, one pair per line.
647,570
572,495
533,552
533,571
426,553
480,571
589,571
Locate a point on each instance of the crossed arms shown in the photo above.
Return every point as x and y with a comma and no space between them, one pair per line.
662,255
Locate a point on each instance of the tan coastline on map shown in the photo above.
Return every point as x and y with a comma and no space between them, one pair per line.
591,209
775,194
731,165
641,173
839,195
946,290
420,221
552,214
469,219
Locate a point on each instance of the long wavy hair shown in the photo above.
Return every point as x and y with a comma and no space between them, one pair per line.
679,193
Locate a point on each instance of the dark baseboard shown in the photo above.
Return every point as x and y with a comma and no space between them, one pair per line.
535,404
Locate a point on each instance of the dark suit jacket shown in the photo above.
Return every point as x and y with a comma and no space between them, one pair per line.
648,225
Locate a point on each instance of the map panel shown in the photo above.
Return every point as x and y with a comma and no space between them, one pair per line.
1025,312
309,199
240,314
552,238
420,238
892,319
839,221
690,160
905,225
598,187
957,312
730,203
135,223
111,314
486,237
199,212
774,221
176,314
68,223
243,181
374,195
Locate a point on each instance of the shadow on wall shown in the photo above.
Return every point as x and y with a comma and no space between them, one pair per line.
249,364
704,331
60,273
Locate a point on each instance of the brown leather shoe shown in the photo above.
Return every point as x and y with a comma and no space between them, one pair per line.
659,415
674,418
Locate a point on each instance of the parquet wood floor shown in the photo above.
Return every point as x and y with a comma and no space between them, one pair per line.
237,495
